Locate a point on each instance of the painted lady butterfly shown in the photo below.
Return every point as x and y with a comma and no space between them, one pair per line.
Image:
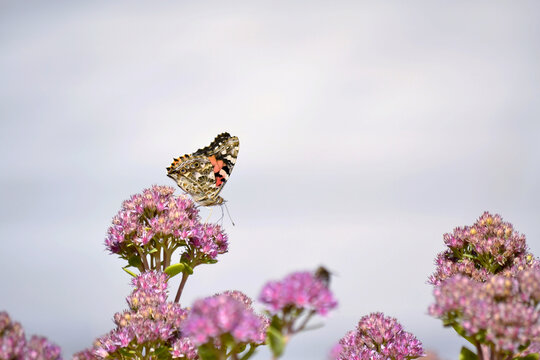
204,173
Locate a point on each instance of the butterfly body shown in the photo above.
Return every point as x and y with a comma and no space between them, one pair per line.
204,173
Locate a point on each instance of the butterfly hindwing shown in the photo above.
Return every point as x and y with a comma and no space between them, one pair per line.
194,175
204,173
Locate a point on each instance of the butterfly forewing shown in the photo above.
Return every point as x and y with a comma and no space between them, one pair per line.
204,173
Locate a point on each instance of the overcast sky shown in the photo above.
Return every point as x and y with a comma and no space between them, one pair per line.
367,130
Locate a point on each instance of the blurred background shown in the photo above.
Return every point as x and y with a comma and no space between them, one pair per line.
367,130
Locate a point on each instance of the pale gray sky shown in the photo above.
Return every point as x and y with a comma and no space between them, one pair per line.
367,130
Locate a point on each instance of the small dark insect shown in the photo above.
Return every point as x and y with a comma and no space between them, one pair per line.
323,274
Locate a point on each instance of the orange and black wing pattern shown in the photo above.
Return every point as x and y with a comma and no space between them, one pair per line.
203,173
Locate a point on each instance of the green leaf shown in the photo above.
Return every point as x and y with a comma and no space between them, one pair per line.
174,269
467,354
277,323
162,352
534,356
153,251
207,352
188,269
461,331
228,340
129,271
135,261
276,341
124,352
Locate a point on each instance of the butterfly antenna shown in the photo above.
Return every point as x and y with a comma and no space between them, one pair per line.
222,216
228,213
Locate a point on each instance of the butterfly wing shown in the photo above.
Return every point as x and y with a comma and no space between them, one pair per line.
194,175
204,173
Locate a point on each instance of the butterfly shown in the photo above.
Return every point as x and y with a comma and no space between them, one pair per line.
204,173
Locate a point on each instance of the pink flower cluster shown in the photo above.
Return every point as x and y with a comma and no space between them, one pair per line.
184,348
378,337
157,219
151,322
13,344
222,314
489,246
39,348
86,354
150,290
12,338
301,290
502,311
529,285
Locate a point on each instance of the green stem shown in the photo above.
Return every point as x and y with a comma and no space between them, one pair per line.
157,256
250,352
166,258
304,323
479,351
143,258
181,287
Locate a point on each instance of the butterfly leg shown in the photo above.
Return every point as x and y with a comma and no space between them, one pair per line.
208,218
222,214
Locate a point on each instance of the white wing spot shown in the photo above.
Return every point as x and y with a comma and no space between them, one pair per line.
224,174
